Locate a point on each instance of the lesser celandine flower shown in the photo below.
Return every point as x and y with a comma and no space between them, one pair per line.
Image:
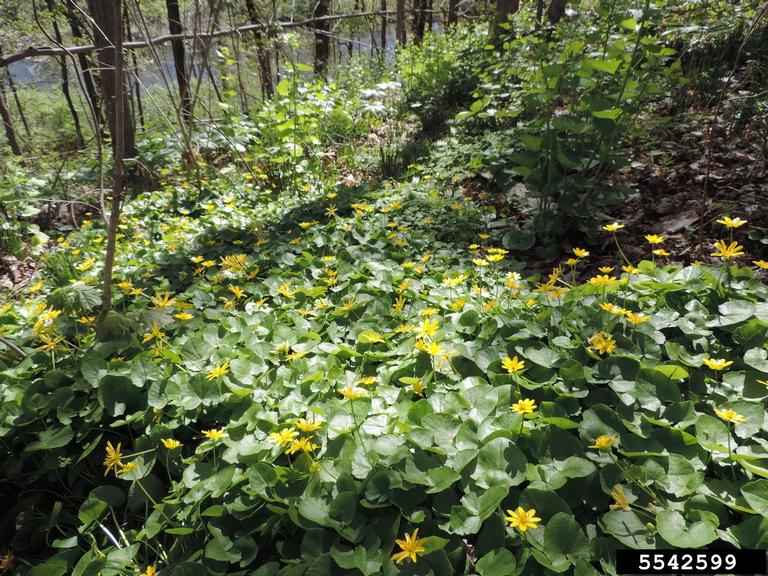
352,392
150,571
428,327
637,317
613,227
522,519
127,467
306,426
183,316
654,238
730,415
729,222
113,459
620,501
629,269
761,264
602,343
411,547
604,442
301,445
214,434
602,280
580,252
524,406
513,365
661,252
613,309
717,363
284,436
170,443
726,252
218,371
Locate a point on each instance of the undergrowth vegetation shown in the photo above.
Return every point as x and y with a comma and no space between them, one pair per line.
313,369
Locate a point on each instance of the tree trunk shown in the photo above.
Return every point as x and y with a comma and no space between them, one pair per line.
419,21
12,86
108,14
503,9
383,37
262,52
179,58
539,13
135,74
65,74
322,41
400,22
556,10
107,31
85,64
453,6
10,133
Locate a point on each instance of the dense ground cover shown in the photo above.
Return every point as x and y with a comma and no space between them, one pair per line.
313,369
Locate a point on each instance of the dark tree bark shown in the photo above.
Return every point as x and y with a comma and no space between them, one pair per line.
179,58
262,52
10,133
322,41
65,74
109,15
419,22
452,11
556,10
83,60
383,37
135,74
503,9
400,22
107,31
539,13
19,108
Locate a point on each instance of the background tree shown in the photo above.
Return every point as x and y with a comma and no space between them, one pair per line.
322,41
179,58
107,31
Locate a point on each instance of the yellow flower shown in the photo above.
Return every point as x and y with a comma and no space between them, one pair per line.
572,261
237,291
479,262
654,239
613,309
522,519
613,227
730,415
454,281
629,269
171,443
524,406
183,316
494,257
284,436
306,426
660,252
761,264
331,210
303,445
162,300
50,343
214,434
411,547
580,252
404,285
513,365
36,286
86,320
729,222
196,259
727,252
218,371
620,501
637,318
431,348
307,225
352,392
602,280
399,305
86,265
512,281
602,343
606,269
717,363
604,442
150,571
127,467
428,328
417,385
367,381
113,459
285,289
